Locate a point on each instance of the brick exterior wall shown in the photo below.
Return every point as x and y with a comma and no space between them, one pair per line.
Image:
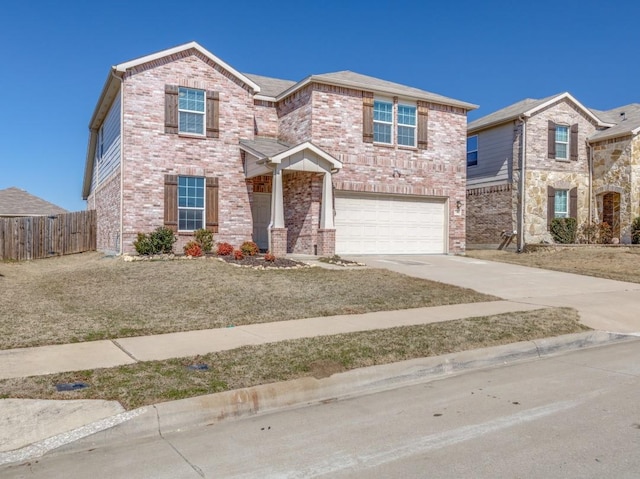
294,117
437,171
106,201
302,194
266,119
489,214
149,153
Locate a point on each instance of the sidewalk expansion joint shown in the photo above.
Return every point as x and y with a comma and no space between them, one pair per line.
121,348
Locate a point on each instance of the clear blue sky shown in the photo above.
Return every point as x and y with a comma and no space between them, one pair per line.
56,57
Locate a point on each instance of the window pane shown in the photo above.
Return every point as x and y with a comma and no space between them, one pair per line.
561,204
190,192
561,150
406,135
382,111
381,133
472,143
472,158
192,100
190,220
191,123
406,115
562,133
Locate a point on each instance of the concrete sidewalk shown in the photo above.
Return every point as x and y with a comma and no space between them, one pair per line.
16,363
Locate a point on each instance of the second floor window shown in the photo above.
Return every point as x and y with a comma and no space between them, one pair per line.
472,150
191,104
406,125
382,122
562,142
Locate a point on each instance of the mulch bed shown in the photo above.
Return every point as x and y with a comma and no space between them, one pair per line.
259,262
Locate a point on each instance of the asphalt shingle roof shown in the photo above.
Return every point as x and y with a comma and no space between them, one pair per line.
17,202
508,113
270,86
625,124
265,147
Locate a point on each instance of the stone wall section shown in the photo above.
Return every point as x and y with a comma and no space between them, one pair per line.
616,168
148,153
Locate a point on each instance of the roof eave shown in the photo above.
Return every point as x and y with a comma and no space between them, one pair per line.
358,86
493,124
569,96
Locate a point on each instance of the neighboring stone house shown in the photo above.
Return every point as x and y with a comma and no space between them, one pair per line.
577,163
335,163
15,202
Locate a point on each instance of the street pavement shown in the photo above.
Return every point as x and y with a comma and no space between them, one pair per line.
604,305
573,415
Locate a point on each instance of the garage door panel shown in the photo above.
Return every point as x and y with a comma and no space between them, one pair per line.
379,224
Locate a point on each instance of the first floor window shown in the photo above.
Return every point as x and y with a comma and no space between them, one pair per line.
382,121
562,142
472,150
406,125
191,104
561,204
190,203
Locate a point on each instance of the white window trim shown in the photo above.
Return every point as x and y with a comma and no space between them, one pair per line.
414,126
203,113
561,214
204,202
567,153
391,123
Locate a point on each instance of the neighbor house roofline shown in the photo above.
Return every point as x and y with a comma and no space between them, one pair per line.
528,109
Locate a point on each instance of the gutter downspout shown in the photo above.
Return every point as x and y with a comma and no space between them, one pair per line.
523,170
590,160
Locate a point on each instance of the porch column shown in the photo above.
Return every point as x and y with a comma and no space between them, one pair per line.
326,215
277,230
327,231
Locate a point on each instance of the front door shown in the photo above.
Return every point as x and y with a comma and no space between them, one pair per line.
261,212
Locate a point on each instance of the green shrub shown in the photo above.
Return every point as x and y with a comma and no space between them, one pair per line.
159,241
205,239
249,248
564,230
635,231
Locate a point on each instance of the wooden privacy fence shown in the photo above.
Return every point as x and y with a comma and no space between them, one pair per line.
34,237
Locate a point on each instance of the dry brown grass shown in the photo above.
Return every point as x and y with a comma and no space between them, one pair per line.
157,381
89,296
622,264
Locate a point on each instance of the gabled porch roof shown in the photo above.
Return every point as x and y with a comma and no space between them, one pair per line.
267,154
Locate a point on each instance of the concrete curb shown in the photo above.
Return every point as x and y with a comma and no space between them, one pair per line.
211,409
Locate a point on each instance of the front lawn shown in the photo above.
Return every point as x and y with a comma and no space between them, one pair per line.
90,296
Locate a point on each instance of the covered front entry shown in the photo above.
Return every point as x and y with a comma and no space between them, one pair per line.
611,212
301,207
389,224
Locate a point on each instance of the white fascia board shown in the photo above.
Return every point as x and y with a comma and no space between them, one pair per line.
307,146
568,96
122,67
272,99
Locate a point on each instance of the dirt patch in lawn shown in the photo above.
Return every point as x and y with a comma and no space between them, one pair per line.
157,381
91,296
622,264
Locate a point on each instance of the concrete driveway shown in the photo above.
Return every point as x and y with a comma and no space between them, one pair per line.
603,304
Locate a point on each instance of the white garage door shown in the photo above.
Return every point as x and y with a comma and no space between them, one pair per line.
382,224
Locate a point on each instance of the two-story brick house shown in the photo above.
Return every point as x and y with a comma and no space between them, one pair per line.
539,159
335,163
